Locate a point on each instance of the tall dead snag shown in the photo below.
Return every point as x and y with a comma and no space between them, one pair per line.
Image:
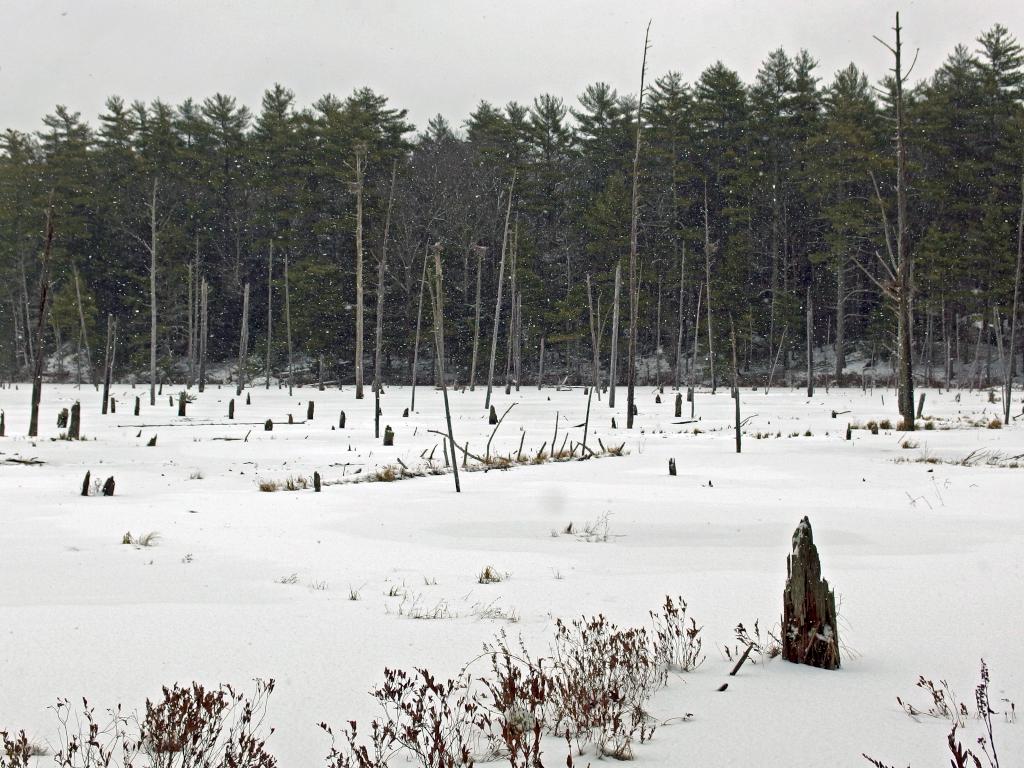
195,299
358,188
44,296
510,331
204,331
735,384
497,301
152,293
243,341
709,249
1009,364
595,344
437,302
634,288
810,344
898,266
480,251
288,322
270,309
613,362
108,362
379,340
810,633
682,299
416,343
83,336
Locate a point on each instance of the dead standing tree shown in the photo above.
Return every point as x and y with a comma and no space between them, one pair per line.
437,304
44,295
613,362
270,309
497,303
357,187
898,266
480,252
1009,360
243,341
810,632
381,266
634,288
83,336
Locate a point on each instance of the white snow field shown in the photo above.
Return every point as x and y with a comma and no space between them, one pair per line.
925,558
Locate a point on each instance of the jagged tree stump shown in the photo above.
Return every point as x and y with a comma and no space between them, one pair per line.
493,417
810,633
309,411
341,420
108,487
137,405
113,405
182,403
316,482
231,408
75,423
268,425
62,419
679,405
86,483
389,435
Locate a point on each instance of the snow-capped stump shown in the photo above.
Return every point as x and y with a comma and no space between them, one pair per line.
810,632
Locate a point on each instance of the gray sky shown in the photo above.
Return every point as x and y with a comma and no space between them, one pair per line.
434,56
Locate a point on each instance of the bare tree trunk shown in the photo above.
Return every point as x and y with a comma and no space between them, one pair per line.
26,306
191,329
657,339
510,330
613,362
437,296
270,309
152,294
416,344
480,251
243,342
83,337
1011,357
634,288
193,342
840,319
540,365
810,344
108,364
497,304
379,340
288,322
594,343
682,299
693,367
708,250
360,153
735,384
44,295
204,332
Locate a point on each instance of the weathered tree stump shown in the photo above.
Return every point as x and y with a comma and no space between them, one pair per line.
672,467
75,422
493,418
635,411
231,408
3,424
341,420
657,399
309,411
138,405
170,400
389,435
679,405
849,432
810,633
86,483
108,486
62,419
291,419
248,399
405,414
182,403
316,482
920,405
613,423
268,425
152,442
113,405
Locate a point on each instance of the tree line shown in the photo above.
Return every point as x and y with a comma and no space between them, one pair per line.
763,213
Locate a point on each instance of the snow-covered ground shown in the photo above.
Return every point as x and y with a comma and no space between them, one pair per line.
925,558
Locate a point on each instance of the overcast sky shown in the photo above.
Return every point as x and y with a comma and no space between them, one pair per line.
433,56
